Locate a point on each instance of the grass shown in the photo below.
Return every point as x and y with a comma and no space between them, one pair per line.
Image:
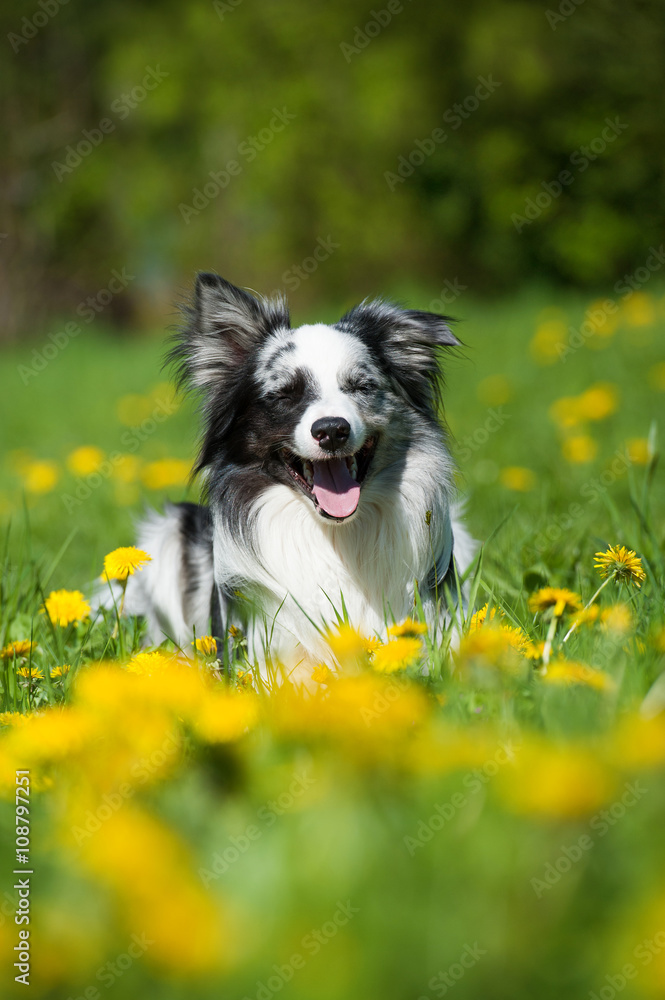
491,826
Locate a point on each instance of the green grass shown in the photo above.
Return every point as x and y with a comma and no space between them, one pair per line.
491,874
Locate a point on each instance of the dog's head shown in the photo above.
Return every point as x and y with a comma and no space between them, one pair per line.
322,409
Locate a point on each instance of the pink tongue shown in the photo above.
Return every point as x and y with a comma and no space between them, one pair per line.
334,488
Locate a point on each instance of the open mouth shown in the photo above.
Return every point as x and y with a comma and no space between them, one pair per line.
333,484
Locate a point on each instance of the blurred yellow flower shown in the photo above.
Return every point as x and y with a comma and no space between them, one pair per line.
561,600
518,478
617,618
40,476
124,562
621,564
566,412
398,654
166,472
587,616
149,662
126,468
407,627
66,606
226,716
555,783
132,410
639,309
480,617
639,451
579,449
85,460
19,649
599,401
490,646
13,718
548,342
349,647
567,672
604,323
206,645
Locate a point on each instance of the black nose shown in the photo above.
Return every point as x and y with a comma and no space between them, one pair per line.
331,432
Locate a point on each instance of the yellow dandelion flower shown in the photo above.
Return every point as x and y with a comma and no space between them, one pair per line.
149,662
124,562
66,606
225,716
349,647
617,618
517,478
40,476
599,401
322,674
14,718
567,672
408,627
489,646
245,678
549,341
126,468
639,451
561,600
61,671
235,633
639,310
587,616
85,460
397,654
621,564
579,449
206,645
19,649
33,673
555,783
166,472
566,412
480,617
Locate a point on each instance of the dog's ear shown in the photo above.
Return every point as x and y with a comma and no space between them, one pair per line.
408,344
224,325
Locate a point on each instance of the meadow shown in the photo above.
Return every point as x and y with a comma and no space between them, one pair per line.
485,820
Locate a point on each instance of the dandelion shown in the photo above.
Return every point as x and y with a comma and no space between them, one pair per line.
620,563
85,460
166,472
149,663
587,616
549,340
126,468
479,617
617,618
348,645
579,449
397,654
14,718
124,562
206,645
408,627
566,412
561,600
322,674
60,671
599,401
566,672
32,673
65,607
19,649
40,476
639,451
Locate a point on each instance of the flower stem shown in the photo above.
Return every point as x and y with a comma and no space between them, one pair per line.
547,648
587,606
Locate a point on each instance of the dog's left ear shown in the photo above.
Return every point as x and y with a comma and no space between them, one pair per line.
408,343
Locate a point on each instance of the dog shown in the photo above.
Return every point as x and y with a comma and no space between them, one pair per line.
327,480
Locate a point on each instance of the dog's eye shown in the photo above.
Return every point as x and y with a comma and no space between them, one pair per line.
285,394
360,384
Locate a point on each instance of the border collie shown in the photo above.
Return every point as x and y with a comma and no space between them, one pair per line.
328,485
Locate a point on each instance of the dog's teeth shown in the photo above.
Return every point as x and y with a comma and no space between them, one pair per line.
353,467
309,472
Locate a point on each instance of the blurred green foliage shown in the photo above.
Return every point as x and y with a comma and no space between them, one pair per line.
368,87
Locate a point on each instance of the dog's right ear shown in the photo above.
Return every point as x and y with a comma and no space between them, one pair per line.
225,324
